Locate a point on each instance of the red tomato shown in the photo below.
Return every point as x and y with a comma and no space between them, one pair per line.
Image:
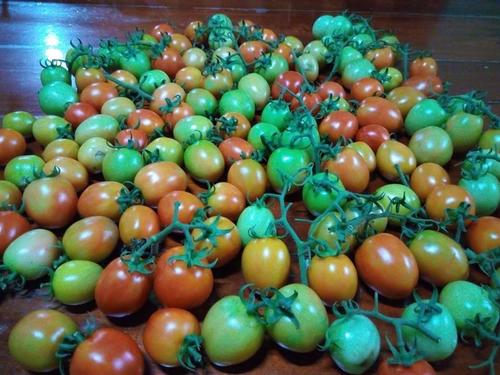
189,204
252,50
12,225
312,102
12,144
234,149
159,30
145,120
170,91
250,177
375,110
381,57
178,113
339,124
366,87
418,368
347,161
423,66
137,137
101,199
98,93
226,200
447,196
170,61
427,85
79,112
373,135
426,177
330,88
483,234
138,222
387,266
290,80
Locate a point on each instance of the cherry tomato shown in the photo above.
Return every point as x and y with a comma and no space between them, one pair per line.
375,110
423,66
427,85
78,112
48,128
226,200
145,120
426,177
70,169
330,88
289,161
252,50
86,76
23,169
392,153
366,153
61,147
168,91
290,80
405,98
92,152
96,94
366,87
234,149
12,225
12,144
339,124
373,135
137,138
447,196
101,199
124,76
170,61
233,124
249,177
166,149
73,282
418,368
484,234
159,30
204,161
345,162
431,144
138,222
102,126
10,194
381,57
189,204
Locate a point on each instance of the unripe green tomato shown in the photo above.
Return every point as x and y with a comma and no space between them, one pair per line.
465,130
49,128
122,165
104,126
92,152
394,78
152,79
55,97
23,169
237,101
308,66
74,282
431,144
318,50
19,121
118,107
277,113
257,88
54,73
168,149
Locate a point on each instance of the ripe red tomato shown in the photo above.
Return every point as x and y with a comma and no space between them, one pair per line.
373,135
387,266
347,161
375,110
426,177
291,80
241,125
252,50
226,200
330,88
177,285
138,222
170,61
234,149
145,120
423,66
311,101
447,196
97,94
170,91
101,199
418,368
427,85
12,144
12,225
159,30
381,57
189,204
483,234
136,137
366,87
339,124
178,113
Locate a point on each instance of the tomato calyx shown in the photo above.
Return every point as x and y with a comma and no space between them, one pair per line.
329,105
11,281
171,104
253,300
70,342
472,102
475,163
189,355
426,309
404,356
279,306
130,195
138,259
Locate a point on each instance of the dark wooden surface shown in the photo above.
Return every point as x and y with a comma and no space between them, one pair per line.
463,35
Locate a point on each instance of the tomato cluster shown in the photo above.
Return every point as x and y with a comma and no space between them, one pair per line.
169,155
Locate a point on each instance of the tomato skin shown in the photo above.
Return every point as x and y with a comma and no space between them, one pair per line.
204,161
289,161
465,130
103,126
101,199
431,144
70,169
485,191
92,152
237,101
158,179
12,144
418,368
73,282
177,285
166,91
96,94
387,266
375,110
447,196
162,28
391,191
373,135
484,234
333,278
12,225
426,177
440,259
145,120
427,85
19,121
116,276
61,147
405,98
168,149
249,176
423,66
343,165
92,238
234,149
107,351
10,194
22,169
170,61
339,124
164,334
34,340
391,153
226,200
366,87
135,137
51,201
265,262
311,315
189,204
138,222
364,150
122,164
292,80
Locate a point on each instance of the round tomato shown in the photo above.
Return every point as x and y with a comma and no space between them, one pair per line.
392,153
376,110
145,120
426,177
204,161
135,138
425,66
255,221
12,225
484,234
485,191
71,169
166,149
373,135
405,98
465,130
138,222
286,85
92,152
12,144
234,149
101,199
226,200
427,112
22,169
19,121
321,191
96,94
339,124
431,144
418,368
290,162
366,87
73,282
122,164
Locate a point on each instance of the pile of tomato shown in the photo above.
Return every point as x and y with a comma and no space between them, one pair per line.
164,157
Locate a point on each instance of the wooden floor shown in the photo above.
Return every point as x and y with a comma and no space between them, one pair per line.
463,35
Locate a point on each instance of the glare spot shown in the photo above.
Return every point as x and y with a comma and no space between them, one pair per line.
54,53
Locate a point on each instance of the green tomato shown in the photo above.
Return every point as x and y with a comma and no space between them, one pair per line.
294,138
237,67
465,301
489,139
485,190
230,334
317,49
321,191
23,169
347,55
431,144
308,66
255,221
277,112
320,230
91,153
361,40
260,131
204,161
202,101
287,162
54,74
103,126
354,343
35,339
294,43
441,324
74,282
55,97
192,128
390,39
310,314
119,107
464,130
137,62
394,78
167,149
32,253
152,79
270,66
48,128
355,70
392,191
257,88
237,101
220,37
219,20
428,112
19,121
122,164
322,26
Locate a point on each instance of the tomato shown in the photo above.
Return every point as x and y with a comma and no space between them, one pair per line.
177,285
93,238
12,144
167,149
233,124
98,93
249,177
87,76
218,82
440,259
447,196
92,152
158,31
73,282
192,127
366,87
317,197
202,101
19,121
138,222
152,79
230,334
61,148
375,110
226,200
180,42
261,132
12,225
255,221
418,368
387,266
48,128
373,135
70,169
339,124
237,101
170,61
308,66
290,80
168,91
189,204
344,163
101,199
333,278
204,161
118,276
270,66
366,153
355,343
195,57
103,126
178,113
392,191
348,54
423,66
289,161
124,76
428,85
51,201
440,324
122,164
392,153
485,191
484,234
265,262
464,130
226,246
405,98
318,50
234,149
118,107
78,112
426,177
428,112
252,50
135,138
32,253
310,314
165,332
328,25
431,144
381,57
21,170
34,340
330,88
107,351
9,194
54,97
490,139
